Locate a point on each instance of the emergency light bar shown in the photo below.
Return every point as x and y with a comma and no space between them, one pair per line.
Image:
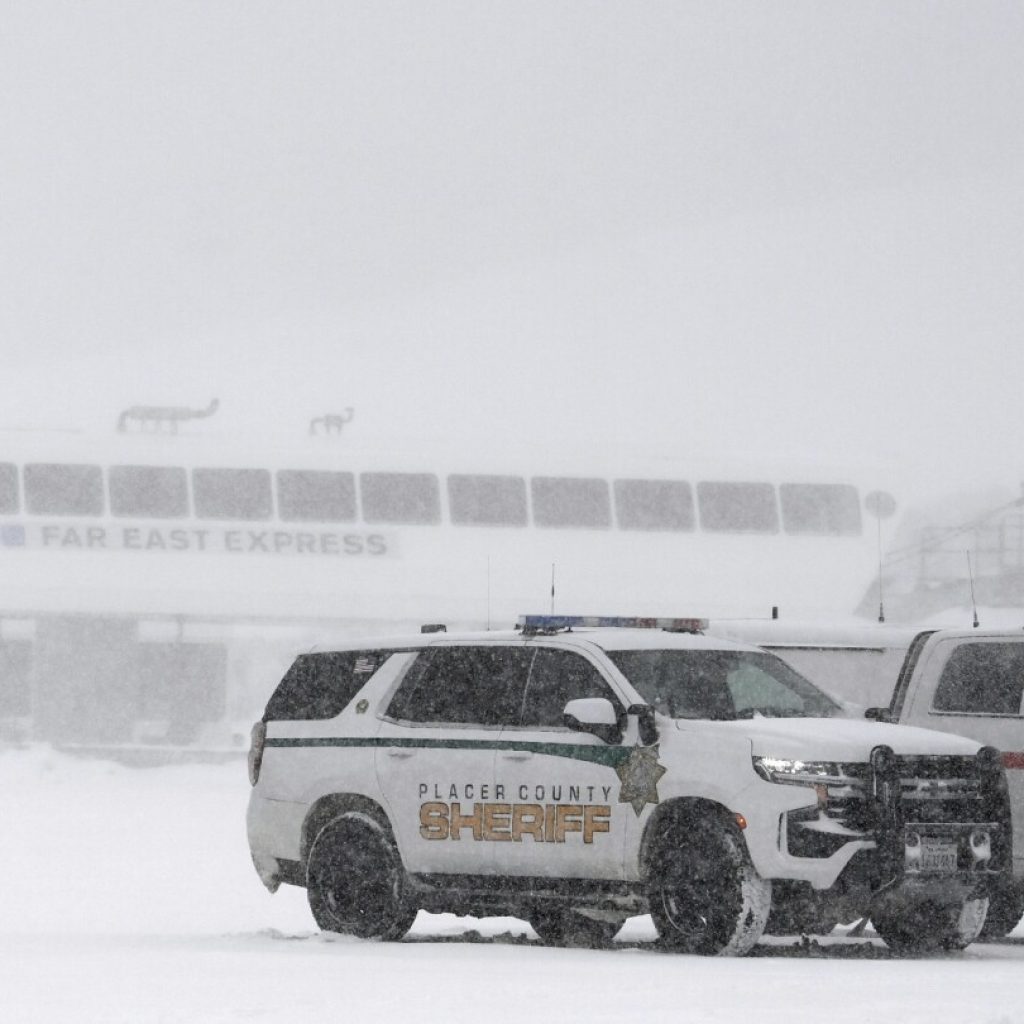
536,623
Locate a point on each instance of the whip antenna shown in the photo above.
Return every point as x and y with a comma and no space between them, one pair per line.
881,601
970,576
881,505
552,588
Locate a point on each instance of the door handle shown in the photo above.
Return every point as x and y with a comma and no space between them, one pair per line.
400,752
518,755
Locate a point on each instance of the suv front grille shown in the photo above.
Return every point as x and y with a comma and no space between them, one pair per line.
933,790
933,796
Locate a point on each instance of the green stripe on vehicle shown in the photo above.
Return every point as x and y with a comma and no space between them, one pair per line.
611,757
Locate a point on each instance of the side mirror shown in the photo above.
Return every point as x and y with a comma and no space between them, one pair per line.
878,714
646,724
596,715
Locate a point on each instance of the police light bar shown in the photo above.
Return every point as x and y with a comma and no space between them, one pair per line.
553,622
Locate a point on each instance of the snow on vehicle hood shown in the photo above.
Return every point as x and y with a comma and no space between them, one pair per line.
834,739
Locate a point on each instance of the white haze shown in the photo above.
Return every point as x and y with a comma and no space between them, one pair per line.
734,230
791,229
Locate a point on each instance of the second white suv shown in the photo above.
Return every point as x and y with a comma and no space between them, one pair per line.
575,772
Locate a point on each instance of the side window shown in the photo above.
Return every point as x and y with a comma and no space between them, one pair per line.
682,684
8,487
63,490
400,497
232,493
982,679
571,501
156,492
320,686
316,496
463,686
654,504
727,507
487,500
556,678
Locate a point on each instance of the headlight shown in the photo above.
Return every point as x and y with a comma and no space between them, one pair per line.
800,773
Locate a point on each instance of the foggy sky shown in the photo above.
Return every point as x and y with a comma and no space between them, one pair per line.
736,228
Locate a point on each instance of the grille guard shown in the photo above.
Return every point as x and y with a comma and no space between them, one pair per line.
893,831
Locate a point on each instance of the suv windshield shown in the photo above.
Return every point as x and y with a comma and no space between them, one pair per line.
722,684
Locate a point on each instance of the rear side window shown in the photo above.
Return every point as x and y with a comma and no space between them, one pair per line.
984,679
556,678
320,686
463,686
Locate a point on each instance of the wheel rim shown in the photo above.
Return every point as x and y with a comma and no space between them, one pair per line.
693,905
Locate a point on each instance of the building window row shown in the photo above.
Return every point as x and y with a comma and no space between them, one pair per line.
164,492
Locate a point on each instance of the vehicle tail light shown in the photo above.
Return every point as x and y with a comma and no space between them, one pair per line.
256,744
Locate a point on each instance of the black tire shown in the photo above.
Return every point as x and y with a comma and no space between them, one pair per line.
705,896
355,881
922,924
1005,910
562,926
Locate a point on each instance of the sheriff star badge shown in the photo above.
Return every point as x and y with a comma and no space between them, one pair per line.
639,775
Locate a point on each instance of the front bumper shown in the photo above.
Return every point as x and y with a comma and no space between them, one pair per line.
913,820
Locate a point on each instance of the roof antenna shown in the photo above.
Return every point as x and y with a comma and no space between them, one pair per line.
881,600
970,576
881,505
552,588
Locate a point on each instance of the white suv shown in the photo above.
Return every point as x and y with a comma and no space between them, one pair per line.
575,772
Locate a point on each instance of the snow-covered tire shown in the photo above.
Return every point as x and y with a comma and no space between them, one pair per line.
355,882
705,896
1005,909
922,924
567,927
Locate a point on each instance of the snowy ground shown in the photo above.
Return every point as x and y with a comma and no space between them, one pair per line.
129,897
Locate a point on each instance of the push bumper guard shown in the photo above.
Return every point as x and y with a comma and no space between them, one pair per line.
912,853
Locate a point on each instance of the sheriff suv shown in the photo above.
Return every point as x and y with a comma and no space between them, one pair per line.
578,771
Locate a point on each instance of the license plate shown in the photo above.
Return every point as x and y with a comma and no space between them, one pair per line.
938,855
